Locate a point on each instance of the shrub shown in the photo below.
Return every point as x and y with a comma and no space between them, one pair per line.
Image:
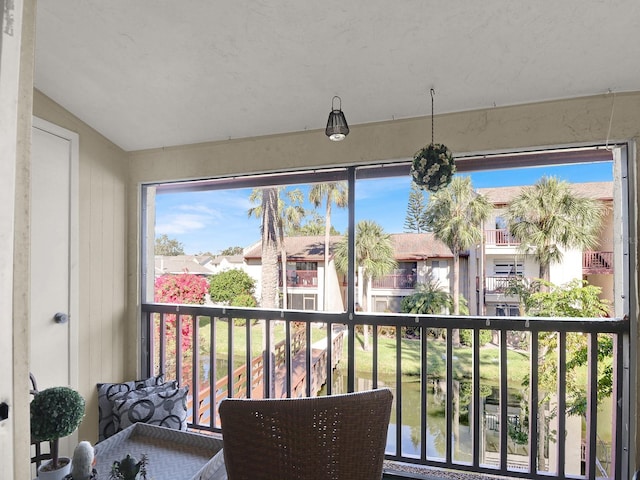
227,285
183,288
466,337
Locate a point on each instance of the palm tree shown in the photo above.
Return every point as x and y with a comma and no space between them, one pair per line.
290,213
373,257
268,210
330,193
549,216
455,215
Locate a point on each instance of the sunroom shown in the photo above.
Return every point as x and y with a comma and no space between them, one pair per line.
144,99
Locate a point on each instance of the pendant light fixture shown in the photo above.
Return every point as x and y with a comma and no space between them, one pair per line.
337,127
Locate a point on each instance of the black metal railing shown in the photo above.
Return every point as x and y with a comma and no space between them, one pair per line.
467,387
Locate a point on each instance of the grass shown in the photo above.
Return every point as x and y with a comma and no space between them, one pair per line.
517,362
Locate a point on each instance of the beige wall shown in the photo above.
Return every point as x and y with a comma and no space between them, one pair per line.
103,338
556,123
16,74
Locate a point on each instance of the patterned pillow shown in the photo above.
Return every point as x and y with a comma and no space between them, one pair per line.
166,408
108,392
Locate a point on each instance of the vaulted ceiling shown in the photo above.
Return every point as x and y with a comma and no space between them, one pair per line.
154,73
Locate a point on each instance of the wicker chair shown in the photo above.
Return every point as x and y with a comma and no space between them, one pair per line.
336,437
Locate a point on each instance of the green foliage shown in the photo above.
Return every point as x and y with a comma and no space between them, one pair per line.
548,217
55,413
168,246
243,300
466,337
232,251
574,299
225,287
429,298
314,226
415,220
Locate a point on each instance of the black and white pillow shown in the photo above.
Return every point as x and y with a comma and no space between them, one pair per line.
164,407
109,392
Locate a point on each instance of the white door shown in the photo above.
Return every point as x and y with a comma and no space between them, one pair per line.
54,276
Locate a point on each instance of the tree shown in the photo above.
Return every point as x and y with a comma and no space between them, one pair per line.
429,298
373,257
225,287
168,246
548,217
232,251
330,193
455,215
314,226
416,220
574,299
290,213
269,227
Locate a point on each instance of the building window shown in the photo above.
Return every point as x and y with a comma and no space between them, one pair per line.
507,311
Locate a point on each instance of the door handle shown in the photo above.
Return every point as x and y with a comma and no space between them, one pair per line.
61,317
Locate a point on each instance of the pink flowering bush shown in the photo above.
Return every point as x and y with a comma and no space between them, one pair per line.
184,289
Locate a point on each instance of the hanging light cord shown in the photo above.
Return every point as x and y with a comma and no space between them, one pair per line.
432,128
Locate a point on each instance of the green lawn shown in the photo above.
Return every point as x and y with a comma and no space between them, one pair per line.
517,362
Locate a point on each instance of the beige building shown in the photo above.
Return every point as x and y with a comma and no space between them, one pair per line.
499,258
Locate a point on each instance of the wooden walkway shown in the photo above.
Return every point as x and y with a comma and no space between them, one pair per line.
238,383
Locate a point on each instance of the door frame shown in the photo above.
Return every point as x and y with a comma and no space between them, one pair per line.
74,241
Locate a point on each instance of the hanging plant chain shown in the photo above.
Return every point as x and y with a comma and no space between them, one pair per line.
433,166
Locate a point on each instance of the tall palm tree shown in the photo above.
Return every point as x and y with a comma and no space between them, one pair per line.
330,193
549,216
373,257
455,215
290,214
269,227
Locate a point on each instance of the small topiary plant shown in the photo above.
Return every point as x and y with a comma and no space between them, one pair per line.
55,413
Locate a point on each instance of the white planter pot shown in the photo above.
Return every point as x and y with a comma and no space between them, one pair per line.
59,474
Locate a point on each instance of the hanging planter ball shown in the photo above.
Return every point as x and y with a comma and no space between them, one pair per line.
433,167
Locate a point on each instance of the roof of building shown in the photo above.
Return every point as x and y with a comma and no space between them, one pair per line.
596,190
229,258
407,246
418,246
195,264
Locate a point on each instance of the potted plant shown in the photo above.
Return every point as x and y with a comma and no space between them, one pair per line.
55,413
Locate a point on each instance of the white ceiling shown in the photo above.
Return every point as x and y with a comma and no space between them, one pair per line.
153,73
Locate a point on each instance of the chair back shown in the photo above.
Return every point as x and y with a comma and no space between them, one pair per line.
337,437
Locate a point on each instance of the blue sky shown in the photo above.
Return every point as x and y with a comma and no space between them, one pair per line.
213,221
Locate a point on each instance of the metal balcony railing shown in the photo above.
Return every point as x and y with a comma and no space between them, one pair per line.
498,284
447,409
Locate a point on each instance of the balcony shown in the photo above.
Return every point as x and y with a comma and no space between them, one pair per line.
401,280
460,393
497,284
300,278
500,237
597,262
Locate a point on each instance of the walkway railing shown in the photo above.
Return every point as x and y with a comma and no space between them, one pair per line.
449,399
